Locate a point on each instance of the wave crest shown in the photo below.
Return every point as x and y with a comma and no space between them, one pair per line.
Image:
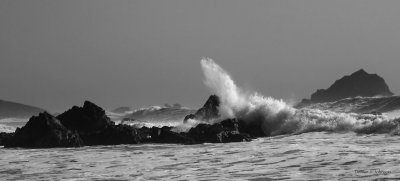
276,117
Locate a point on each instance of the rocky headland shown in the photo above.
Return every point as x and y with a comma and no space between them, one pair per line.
359,83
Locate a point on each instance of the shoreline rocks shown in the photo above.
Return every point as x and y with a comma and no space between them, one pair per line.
44,131
88,125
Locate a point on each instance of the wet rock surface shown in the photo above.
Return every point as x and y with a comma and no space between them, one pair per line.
44,131
89,125
208,112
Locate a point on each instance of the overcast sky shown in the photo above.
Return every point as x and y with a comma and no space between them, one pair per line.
55,54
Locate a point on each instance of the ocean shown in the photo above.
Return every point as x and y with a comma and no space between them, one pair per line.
351,139
308,156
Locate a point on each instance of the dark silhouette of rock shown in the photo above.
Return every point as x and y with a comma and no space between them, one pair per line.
44,131
223,132
95,128
5,137
359,83
190,116
112,135
165,135
88,125
89,118
15,110
208,112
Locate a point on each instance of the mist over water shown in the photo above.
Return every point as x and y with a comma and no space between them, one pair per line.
277,117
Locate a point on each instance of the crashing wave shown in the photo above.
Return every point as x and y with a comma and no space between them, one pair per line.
276,117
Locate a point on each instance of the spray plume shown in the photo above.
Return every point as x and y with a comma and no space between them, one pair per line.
276,117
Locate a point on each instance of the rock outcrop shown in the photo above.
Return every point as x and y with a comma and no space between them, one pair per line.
95,128
222,132
359,83
5,137
44,131
88,118
89,125
208,112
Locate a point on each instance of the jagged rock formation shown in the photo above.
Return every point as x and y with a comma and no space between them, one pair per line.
88,118
15,110
359,83
89,125
208,111
44,131
95,128
222,132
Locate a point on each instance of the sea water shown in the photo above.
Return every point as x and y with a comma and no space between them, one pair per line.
314,155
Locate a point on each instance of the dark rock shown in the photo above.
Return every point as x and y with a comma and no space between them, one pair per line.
223,132
95,128
165,135
89,118
112,135
359,83
88,125
44,131
190,116
5,137
208,112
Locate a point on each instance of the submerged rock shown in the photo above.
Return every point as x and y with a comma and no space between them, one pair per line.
359,83
44,131
112,135
5,137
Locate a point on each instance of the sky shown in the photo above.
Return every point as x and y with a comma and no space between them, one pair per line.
55,54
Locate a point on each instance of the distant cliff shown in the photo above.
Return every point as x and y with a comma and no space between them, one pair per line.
359,83
15,110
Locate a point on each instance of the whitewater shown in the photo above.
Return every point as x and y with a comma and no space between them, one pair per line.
311,143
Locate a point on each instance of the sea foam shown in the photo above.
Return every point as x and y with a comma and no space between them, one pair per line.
276,117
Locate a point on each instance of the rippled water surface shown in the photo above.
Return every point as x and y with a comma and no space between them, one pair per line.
315,155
